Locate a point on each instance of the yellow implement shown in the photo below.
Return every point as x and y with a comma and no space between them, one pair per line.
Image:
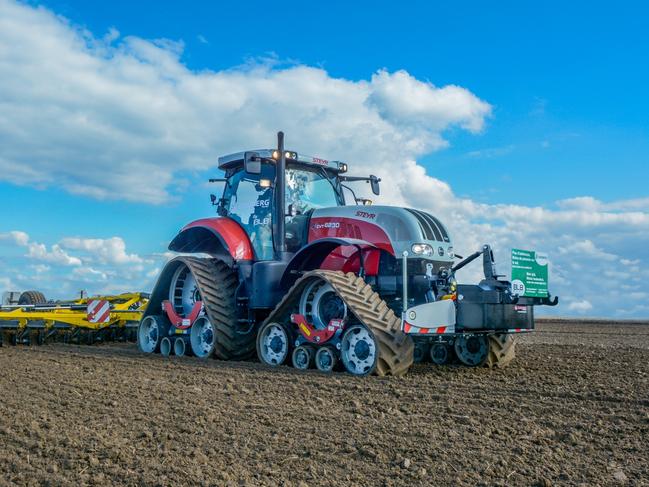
92,315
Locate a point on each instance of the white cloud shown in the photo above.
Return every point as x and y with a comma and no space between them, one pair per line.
580,306
113,114
38,251
106,251
15,237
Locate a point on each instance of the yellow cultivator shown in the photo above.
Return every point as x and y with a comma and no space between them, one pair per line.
89,319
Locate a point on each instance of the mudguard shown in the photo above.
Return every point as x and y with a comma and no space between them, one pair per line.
219,237
312,256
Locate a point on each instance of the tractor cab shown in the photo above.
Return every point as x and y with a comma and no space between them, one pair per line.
252,189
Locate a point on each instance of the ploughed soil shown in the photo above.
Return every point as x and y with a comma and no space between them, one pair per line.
573,408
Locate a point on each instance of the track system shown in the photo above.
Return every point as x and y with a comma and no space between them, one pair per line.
363,307
216,284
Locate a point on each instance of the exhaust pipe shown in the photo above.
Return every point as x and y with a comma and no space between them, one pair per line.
180,346
165,347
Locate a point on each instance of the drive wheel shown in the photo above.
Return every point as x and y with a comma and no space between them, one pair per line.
273,344
502,350
359,350
202,337
472,350
319,304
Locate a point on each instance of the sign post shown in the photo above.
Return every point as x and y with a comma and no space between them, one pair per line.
529,274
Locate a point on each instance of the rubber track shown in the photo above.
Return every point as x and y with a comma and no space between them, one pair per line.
502,349
396,349
217,284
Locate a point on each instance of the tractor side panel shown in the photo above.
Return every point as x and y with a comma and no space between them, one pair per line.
341,227
227,231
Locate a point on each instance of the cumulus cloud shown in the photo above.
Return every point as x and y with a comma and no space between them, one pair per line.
99,266
120,117
107,251
112,113
39,251
580,306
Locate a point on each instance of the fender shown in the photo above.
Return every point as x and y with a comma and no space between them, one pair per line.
220,237
312,256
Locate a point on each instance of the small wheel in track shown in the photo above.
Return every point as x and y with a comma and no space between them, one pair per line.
325,359
180,347
302,357
165,346
273,344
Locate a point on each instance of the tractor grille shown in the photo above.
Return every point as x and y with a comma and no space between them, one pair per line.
431,227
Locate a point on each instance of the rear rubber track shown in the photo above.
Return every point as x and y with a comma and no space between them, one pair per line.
396,349
217,284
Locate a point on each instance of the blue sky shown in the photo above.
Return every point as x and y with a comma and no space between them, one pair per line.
565,86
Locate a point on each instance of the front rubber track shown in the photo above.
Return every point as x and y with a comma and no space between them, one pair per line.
395,347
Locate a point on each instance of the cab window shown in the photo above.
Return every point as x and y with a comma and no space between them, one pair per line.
249,200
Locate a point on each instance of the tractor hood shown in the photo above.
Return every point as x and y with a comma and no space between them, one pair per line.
390,228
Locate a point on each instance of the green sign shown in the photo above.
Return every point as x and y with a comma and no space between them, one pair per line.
529,273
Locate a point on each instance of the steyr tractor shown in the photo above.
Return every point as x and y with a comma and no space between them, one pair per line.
289,271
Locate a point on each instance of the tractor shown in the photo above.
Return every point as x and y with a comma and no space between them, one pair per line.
288,271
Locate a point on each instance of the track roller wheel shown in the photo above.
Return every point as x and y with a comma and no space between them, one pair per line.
325,359
202,338
302,357
273,344
180,347
359,350
472,350
150,333
502,350
440,353
165,347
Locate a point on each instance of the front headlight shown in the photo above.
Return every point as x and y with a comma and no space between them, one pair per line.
422,249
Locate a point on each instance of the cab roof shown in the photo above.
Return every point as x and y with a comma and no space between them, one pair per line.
235,160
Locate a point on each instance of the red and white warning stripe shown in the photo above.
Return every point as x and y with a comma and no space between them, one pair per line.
437,330
98,311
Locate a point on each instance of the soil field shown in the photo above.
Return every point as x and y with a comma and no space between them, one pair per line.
572,409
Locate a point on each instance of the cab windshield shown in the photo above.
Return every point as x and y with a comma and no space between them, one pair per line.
308,190
249,202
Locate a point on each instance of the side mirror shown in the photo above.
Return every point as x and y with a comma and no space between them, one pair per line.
252,163
213,199
374,182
